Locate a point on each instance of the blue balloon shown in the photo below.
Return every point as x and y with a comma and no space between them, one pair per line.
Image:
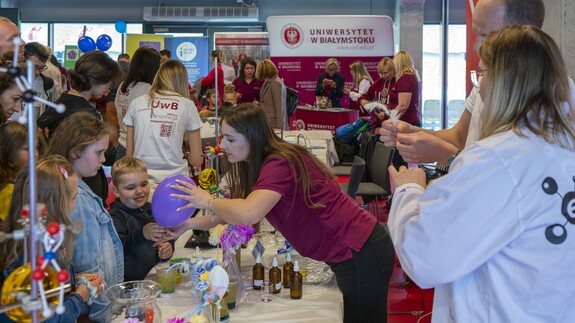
121,26
86,44
104,42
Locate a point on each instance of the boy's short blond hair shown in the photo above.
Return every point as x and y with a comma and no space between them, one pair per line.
127,165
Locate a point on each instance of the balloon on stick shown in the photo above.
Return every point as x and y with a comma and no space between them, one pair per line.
120,26
165,207
104,42
86,44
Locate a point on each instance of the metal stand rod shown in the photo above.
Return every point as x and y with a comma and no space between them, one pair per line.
49,293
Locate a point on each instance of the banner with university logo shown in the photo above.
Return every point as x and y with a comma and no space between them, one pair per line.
238,45
192,52
300,45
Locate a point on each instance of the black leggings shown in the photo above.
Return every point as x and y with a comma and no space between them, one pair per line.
364,279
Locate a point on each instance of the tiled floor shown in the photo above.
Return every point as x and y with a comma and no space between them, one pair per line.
406,303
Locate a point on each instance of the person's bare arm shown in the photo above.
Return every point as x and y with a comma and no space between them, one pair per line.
418,145
112,118
130,141
195,157
246,211
403,100
457,135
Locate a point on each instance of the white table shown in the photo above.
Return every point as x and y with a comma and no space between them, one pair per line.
320,303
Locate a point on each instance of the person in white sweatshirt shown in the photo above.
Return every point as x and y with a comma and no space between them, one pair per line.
495,236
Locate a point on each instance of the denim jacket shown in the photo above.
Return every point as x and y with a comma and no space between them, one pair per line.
97,249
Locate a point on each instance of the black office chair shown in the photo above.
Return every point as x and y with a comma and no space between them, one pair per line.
380,185
357,169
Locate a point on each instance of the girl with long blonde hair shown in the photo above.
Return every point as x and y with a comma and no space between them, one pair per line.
157,123
57,187
361,81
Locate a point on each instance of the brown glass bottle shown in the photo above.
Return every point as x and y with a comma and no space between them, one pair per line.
275,277
258,274
296,283
288,269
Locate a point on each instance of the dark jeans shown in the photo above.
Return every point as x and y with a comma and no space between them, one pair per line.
364,279
120,151
397,159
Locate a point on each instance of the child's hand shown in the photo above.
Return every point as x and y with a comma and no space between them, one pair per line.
165,250
95,280
153,231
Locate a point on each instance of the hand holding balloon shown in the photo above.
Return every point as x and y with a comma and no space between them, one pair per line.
168,210
197,197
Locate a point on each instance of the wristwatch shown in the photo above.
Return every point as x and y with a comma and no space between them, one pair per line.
443,169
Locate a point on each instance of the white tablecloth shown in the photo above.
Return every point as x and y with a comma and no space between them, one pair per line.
320,303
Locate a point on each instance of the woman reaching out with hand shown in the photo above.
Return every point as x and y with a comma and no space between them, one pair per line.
298,195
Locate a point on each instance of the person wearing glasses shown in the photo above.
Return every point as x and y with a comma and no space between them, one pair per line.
330,84
494,237
43,86
418,145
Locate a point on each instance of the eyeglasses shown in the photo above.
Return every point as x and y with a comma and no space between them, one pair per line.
40,68
474,76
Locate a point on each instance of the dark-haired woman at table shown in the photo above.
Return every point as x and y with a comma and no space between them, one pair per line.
299,196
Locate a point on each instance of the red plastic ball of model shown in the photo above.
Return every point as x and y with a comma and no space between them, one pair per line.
63,276
38,274
39,261
53,228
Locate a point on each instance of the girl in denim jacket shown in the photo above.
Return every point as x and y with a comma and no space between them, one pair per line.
57,188
83,140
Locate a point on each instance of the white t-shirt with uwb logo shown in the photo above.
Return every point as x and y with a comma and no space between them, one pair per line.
159,129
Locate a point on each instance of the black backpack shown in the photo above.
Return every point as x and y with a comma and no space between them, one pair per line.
292,100
48,83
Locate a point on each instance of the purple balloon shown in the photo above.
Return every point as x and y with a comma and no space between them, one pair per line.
164,207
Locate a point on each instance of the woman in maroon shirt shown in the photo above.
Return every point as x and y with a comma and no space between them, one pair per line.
247,86
379,91
209,81
405,96
299,196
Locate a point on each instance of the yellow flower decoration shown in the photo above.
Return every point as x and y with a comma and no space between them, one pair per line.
216,234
